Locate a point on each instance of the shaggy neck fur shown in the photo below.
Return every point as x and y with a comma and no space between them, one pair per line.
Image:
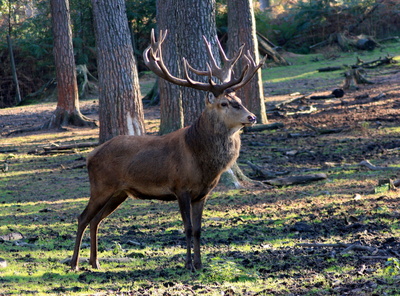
216,147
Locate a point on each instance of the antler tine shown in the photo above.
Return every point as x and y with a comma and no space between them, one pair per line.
198,72
152,49
187,66
233,60
223,74
251,70
154,61
216,71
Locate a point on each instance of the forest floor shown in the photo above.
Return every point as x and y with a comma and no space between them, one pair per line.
338,236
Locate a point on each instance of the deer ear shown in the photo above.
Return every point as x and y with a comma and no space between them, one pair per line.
210,98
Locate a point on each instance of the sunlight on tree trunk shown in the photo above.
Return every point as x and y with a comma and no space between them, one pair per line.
67,111
120,105
242,29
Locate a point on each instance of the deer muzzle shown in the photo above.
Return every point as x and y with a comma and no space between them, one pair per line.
251,119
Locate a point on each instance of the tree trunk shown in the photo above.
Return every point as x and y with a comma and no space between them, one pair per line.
242,29
14,71
191,20
67,111
120,106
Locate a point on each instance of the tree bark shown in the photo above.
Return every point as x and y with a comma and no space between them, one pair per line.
187,21
67,111
242,29
120,106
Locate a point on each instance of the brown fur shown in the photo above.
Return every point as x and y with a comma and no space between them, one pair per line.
184,165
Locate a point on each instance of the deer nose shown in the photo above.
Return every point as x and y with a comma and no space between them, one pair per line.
252,118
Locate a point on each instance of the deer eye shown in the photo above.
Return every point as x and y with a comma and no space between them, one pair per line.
224,104
236,105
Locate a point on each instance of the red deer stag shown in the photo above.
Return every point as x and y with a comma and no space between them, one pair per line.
184,165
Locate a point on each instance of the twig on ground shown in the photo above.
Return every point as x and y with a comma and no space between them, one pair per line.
71,146
324,130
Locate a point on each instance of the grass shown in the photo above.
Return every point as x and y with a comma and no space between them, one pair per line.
305,68
250,242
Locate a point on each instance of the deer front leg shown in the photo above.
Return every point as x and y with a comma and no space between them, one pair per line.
197,212
184,201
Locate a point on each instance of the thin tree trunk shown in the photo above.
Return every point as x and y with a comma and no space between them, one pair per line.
67,111
242,29
14,71
120,105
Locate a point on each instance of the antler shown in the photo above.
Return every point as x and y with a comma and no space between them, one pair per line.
154,61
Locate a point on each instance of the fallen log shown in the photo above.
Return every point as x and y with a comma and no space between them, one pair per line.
372,167
265,174
329,69
323,131
71,146
321,245
319,44
78,166
355,247
266,47
302,110
296,180
375,63
263,127
278,106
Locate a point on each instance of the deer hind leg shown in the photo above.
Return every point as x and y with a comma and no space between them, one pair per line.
82,225
112,204
96,203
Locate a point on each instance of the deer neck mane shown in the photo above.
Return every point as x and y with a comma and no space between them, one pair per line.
214,145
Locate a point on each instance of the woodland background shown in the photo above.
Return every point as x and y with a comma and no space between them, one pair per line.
335,236
291,25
